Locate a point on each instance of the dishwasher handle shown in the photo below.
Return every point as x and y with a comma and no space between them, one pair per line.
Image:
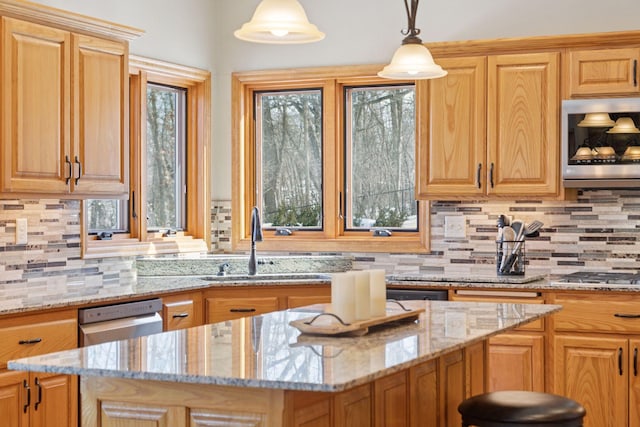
120,329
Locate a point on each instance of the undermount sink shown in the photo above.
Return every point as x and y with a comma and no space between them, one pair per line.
268,276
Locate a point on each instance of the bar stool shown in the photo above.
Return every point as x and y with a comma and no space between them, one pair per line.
520,408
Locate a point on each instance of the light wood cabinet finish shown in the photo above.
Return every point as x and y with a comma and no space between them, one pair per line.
234,302
588,370
493,128
453,161
36,107
615,313
424,395
517,362
65,104
603,71
523,97
182,311
38,399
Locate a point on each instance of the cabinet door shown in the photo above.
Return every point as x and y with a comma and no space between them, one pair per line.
13,398
54,400
452,387
353,408
423,382
101,116
181,311
125,414
603,71
522,132
391,401
452,160
593,372
517,362
36,75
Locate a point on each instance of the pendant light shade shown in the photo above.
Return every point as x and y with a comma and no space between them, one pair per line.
412,60
279,22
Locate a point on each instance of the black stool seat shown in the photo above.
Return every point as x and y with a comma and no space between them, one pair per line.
520,408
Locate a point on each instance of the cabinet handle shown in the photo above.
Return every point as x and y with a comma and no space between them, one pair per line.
242,310
478,176
134,214
31,341
67,178
77,162
620,361
627,316
180,315
340,213
635,73
25,384
491,175
39,398
635,362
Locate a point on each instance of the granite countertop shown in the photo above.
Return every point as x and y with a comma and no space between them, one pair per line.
279,357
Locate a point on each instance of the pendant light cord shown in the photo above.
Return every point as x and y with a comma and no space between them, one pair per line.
411,33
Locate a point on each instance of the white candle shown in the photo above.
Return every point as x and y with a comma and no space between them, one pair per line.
363,295
343,296
378,292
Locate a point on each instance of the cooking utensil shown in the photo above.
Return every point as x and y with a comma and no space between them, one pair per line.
508,238
518,228
533,228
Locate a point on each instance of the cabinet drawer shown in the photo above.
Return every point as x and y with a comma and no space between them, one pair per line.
300,300
32,339
179,315
220,309
595,313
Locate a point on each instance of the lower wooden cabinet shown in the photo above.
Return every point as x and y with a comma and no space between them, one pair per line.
38,400
181,311
517,361
227,303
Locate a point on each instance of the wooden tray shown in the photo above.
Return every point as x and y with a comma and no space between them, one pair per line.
327,324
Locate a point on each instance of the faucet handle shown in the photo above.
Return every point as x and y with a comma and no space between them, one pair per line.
223,269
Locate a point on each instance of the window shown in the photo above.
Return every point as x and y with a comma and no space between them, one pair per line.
166,154
289,158
329,159
380,158
167,209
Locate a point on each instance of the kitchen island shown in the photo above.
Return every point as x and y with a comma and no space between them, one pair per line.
260,371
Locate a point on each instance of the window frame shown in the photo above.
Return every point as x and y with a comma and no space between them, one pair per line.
333,237
197,235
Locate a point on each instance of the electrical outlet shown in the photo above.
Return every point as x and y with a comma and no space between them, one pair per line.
21,231
455,227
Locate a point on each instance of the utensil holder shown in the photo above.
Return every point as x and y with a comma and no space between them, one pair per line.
510,258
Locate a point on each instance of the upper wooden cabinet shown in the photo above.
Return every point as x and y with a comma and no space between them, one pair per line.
492,128
65,103
603,72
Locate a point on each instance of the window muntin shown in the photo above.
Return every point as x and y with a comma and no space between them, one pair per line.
165,157
288,151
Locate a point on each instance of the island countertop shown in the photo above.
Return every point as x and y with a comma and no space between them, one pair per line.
266,352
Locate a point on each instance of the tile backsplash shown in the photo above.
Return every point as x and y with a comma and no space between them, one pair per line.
599,230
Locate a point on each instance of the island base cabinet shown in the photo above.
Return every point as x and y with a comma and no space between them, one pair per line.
37,400
425,395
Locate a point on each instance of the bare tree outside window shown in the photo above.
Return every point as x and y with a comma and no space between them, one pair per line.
380,156
289,153
166,141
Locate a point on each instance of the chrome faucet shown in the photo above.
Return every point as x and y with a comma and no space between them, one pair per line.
256,236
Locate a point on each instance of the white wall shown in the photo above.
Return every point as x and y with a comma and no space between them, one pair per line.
199,33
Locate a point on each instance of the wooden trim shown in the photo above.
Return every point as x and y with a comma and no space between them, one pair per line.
530,44
331,238
59,18
197,237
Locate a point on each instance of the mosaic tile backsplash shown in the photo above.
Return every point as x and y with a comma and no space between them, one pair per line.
600,230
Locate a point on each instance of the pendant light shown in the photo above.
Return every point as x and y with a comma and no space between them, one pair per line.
279,22
412,60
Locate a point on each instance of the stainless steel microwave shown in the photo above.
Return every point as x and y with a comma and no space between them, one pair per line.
601,142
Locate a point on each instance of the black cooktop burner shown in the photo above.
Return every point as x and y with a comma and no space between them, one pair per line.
602,277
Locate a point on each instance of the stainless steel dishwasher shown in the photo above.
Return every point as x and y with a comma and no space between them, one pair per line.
119,321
